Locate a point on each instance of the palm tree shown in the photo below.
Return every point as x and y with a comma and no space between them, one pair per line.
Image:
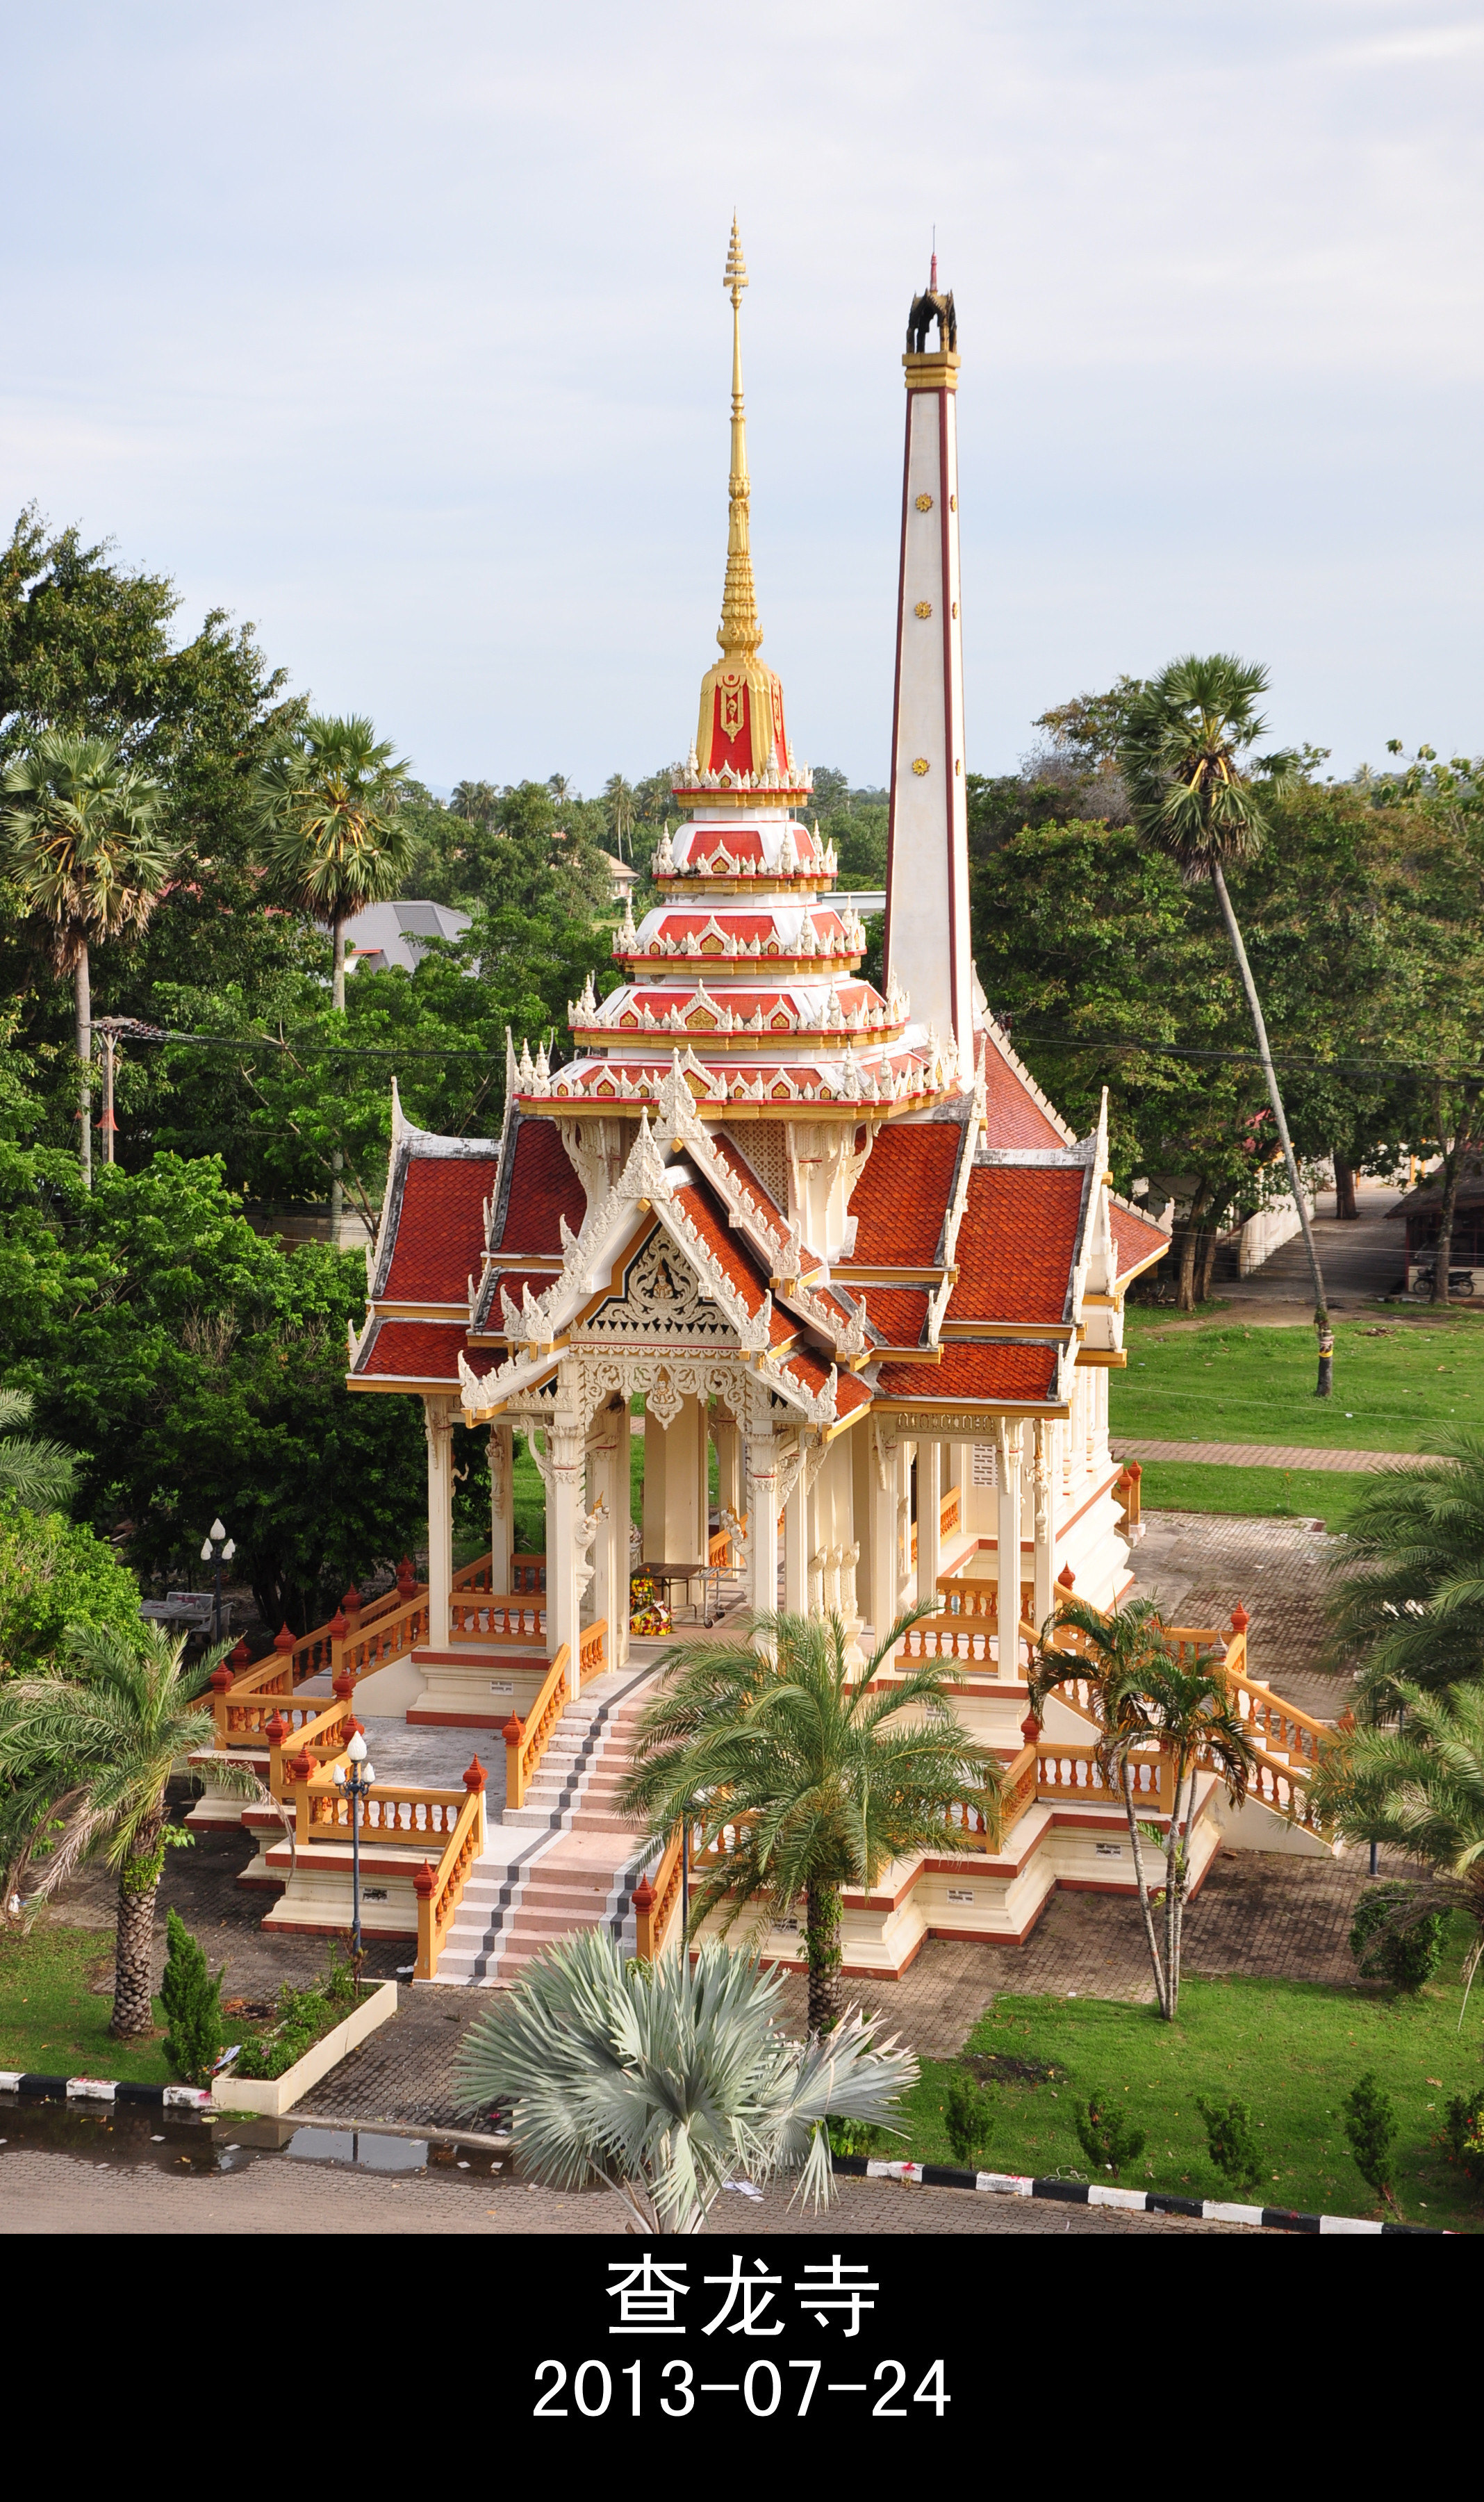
85,1753
668,2079
332,841
39,1475
1419,1787
621,809
85,855
1412,1611
1189,797
819,1782
1143,1695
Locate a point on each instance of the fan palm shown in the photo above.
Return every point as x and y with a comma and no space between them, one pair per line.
1412,1611
1143,1695
666,2079
819,1782
85,1754
85,855
39,1475
332,841
1190,798
1419,1787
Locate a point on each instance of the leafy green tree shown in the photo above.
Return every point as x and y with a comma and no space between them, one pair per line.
1389,1943
34,1472
86,1750
1183,739
663,2081
1107,2132
819,1782
968,2118
1409,1611
190,1994
56,1573
86,858
1372,2127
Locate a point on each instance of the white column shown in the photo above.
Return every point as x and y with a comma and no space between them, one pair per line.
1044,1488
723,1434
502,1511
761,1476
564,1496
608,1483
796,1549
879,1511
1100,1419
1009,1439
439,1422
927,1470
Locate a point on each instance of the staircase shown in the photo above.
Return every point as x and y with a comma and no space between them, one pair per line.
566,1860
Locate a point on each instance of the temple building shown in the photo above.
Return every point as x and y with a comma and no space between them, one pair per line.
860,1278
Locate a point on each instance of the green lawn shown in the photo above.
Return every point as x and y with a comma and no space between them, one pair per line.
50,2020
1402,1389
1290,2050
1291,1494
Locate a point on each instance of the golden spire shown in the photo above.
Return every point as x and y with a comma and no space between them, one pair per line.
739,632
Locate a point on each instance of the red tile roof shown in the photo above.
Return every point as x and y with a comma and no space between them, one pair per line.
542,1187
511,1281
732,1157
1008,1375
850,1393
413,1351
1135,1238
1014,1117
440,1232
902,1196
899,1312
1016,1244
737,1262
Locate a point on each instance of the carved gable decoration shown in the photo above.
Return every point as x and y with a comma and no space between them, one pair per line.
661,1302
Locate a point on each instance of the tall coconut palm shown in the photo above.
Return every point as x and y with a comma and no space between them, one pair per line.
1411,1612
820,1782
666,2079
85,1753
37,1474
331,840
623,807
1186,731
85,855
1419,1788
1143,1696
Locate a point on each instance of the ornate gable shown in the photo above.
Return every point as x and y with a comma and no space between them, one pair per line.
661,1301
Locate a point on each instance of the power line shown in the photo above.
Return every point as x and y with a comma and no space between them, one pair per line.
1250,1058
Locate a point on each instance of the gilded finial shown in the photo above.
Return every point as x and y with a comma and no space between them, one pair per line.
740,632
737,267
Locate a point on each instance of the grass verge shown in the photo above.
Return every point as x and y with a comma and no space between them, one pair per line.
1399,1385
1283,1494
1292,2050
52,2023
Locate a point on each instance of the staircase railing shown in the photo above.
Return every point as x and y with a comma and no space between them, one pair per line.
656,1900
526,1741
392,1636
592,1651
509,1615
439,1891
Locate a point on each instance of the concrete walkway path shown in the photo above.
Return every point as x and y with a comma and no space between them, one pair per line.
1269,1455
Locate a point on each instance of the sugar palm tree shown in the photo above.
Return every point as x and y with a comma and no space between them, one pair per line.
332,839
39,1475
85,1753
666,2079
820,1782
1419,1788
85,855
1411,1612
1143,1695
1187,731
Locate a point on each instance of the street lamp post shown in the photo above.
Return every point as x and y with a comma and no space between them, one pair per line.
357,1784
217,1550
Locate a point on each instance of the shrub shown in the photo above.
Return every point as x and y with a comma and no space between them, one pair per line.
1465,2131
1370,2125
304,2016
854,2136
969,2116
1108,2135
1389,1945
1231,2142
191,1997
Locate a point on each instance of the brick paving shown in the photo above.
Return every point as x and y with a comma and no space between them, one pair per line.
1269,1455
56,2193
1202,1565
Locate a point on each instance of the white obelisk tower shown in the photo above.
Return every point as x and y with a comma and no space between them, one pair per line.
927,934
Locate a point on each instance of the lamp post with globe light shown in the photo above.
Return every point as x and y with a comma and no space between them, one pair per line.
217,1550
357,1784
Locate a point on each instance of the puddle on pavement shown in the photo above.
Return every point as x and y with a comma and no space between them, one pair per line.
122,2137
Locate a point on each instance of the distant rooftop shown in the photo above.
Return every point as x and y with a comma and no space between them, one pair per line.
397,933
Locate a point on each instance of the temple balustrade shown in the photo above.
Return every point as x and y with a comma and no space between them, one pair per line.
526,1741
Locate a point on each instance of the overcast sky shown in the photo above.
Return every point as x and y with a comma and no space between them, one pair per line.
401,333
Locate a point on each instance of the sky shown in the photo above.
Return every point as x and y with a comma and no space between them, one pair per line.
401,333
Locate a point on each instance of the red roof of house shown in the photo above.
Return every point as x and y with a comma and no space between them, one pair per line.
1135,1238
1017,1243
1014,1117
413,1351
993,1369
902,1196
542,1187
899,1312
440,1229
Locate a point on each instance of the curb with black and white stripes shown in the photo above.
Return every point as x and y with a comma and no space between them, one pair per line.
1095,2193
102,2089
